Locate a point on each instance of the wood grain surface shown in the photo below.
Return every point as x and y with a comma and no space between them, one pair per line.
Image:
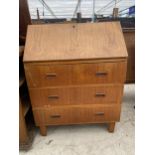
74,41
99,94
129,36
75,73
48,75
77,114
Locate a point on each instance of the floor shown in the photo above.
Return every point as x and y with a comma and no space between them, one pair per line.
90,139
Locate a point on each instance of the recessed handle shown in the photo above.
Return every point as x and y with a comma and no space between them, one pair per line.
99,113
55,116
50,75
101,73
100,94
53,97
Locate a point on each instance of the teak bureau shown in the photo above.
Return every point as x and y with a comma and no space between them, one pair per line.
75,73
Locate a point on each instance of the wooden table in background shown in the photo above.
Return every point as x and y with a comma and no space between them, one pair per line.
129,36
24,106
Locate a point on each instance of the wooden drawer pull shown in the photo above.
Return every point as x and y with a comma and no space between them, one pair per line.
50,75
53,97
99,113
101,73
100,95
55,116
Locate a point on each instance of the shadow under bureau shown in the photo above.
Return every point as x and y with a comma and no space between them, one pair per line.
75,73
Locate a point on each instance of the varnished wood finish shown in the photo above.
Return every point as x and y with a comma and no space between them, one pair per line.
23,134
21,81
57,75
24,106
75,75
77,114
74,41
99,94
111,126
43,130
24,20
129,36
21,51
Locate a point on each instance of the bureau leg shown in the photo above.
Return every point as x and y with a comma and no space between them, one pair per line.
43,130
111,126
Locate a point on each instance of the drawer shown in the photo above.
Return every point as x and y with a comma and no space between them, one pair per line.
92,94
76,114
48,75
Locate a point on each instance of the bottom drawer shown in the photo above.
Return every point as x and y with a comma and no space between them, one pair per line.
76,114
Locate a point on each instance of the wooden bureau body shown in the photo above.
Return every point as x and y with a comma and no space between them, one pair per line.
76,89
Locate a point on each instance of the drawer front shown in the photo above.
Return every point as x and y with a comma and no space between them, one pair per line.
61,75
77,114
47,75
100,94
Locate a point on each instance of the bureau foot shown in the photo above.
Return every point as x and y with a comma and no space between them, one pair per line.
111,127
43,130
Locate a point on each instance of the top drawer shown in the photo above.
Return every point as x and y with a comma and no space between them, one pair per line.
48,75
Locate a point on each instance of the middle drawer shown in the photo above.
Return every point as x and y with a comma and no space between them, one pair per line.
76,95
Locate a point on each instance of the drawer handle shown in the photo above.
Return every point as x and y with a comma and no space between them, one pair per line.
101,73
53,97
50,75
55,116
100,95
99,113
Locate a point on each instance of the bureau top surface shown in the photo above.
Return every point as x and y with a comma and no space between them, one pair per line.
54,42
